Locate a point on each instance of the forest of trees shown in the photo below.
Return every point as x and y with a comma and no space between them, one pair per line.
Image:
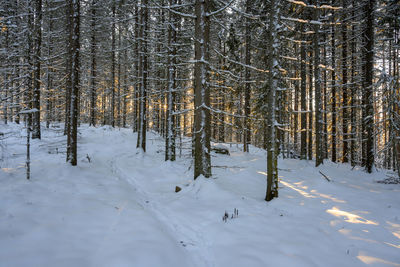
312,79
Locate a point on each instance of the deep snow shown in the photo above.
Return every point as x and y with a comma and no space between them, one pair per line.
121,209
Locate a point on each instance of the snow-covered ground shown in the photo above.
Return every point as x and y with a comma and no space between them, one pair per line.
120,208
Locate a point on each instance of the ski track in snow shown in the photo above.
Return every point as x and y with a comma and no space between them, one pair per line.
189,237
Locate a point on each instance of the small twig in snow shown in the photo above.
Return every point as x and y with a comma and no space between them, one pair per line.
326,177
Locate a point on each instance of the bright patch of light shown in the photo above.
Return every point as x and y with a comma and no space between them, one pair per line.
373,260
350,217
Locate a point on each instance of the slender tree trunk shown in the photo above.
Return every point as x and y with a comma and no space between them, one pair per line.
303,136
17,94
68,82
6,79
368,85
141,140
318,99
353,91
170,123
310,111
296,113
345,119
36,70
113,66
126,90
119,78
137,71
49,77
74,80
325,97
333,94
246,126
93,74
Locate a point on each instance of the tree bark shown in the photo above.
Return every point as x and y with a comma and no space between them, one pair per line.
36,68
318,100
246,126
345,119
303,135
93,70
368,85
202,160
170,143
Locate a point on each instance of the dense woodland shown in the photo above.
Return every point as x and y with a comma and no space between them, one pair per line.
314,80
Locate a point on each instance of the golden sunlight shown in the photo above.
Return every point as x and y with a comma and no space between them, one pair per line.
8,170
350,217
373,260
304,193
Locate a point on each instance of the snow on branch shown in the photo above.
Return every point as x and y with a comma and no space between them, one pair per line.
301,3
220,10
310,21
170,9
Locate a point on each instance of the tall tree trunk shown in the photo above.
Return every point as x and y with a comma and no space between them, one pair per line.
141,140
49,72
318,100
353,91
303,137
137,70
36,71
310,110
93,71
6,80
202,160
74,80
246,126
273,83
17,94
68,81
113,65
345,119
296,111
170,143
333,92
325,96
119,78
368,85
126,90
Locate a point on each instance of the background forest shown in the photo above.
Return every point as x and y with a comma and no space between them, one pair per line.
181,120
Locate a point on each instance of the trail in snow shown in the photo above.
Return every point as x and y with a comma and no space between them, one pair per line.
187,236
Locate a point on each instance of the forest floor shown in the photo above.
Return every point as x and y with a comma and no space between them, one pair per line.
118,207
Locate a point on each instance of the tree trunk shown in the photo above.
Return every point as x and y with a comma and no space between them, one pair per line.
113,65
368,85
74,80
273,83
68,81
333,93
202,160
310,111
246,126
93,66
303,137
36,68
141,140
318,100
345,119
170,143
353,91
